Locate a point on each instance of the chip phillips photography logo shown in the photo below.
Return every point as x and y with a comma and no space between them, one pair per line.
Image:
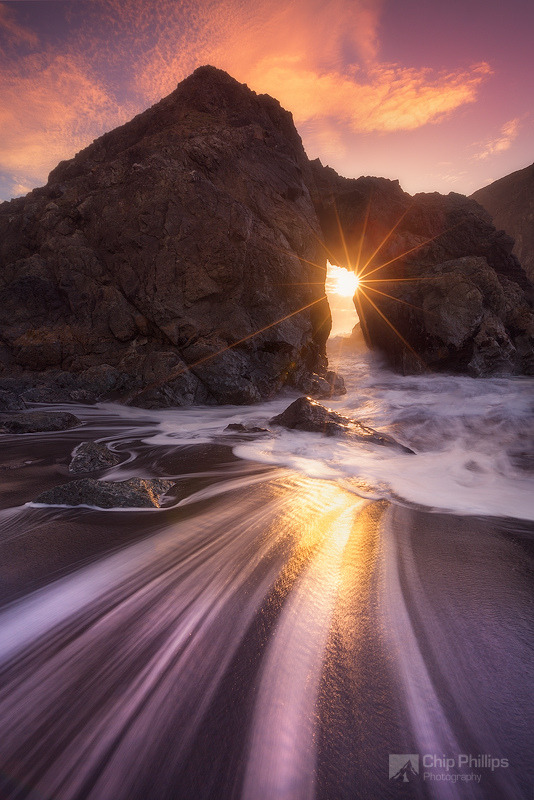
403,767
461,768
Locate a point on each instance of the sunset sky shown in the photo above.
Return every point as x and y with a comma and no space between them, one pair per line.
436,94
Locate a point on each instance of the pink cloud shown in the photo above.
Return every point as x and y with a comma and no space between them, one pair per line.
383,98
49,109
54,103
502,141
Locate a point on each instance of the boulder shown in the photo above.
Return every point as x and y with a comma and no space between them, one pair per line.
175,260
133,493
305,414
93,456
510,201
239,427
40,421
331,385
180,259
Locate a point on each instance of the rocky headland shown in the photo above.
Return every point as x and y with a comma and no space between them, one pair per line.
181,259
440,287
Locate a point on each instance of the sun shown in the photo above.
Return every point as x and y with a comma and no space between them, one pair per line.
341,281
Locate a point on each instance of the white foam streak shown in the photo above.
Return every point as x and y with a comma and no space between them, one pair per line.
148,633
282,748
471,438
428,719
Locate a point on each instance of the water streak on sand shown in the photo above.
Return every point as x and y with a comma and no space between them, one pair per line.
199,650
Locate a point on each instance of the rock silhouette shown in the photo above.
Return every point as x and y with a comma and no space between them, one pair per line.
510,201
149,262
132,493
306,414
93,456
39,421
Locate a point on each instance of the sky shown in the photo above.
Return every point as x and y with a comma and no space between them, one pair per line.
435,94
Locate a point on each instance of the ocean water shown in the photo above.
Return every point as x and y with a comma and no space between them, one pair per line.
473,438
300,609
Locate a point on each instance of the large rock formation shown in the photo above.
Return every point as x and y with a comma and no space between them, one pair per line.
150,261
440,287
181,258
510,201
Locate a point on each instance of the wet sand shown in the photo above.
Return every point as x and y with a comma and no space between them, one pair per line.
267,635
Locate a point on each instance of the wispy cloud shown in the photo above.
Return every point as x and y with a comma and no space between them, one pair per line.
502,141
297,52
48,111
12,31
383,98
321,60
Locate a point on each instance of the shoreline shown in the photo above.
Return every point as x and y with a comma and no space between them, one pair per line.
225,569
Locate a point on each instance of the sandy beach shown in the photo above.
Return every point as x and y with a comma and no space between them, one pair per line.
271,634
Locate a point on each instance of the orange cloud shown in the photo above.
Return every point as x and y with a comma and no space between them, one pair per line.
321,60
48,111
503,141
386,97
239,36
295,52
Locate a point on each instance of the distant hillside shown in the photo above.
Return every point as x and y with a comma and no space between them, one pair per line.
510,201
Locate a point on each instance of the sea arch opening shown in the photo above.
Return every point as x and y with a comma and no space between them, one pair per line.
341,286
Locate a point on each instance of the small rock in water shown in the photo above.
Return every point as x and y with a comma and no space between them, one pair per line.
133,493
38,421
330,385
306,414
92,456
238,427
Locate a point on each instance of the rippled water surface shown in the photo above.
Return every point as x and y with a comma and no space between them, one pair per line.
299,609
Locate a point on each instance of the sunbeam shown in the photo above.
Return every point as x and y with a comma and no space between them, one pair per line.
384,240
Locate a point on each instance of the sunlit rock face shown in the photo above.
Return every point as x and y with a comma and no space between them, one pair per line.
439,286
167,241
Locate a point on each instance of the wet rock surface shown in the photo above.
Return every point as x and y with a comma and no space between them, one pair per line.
93,456
305,414
331,385
10,401
39,421
239,427
133,493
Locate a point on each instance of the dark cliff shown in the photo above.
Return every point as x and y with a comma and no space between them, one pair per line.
510,201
